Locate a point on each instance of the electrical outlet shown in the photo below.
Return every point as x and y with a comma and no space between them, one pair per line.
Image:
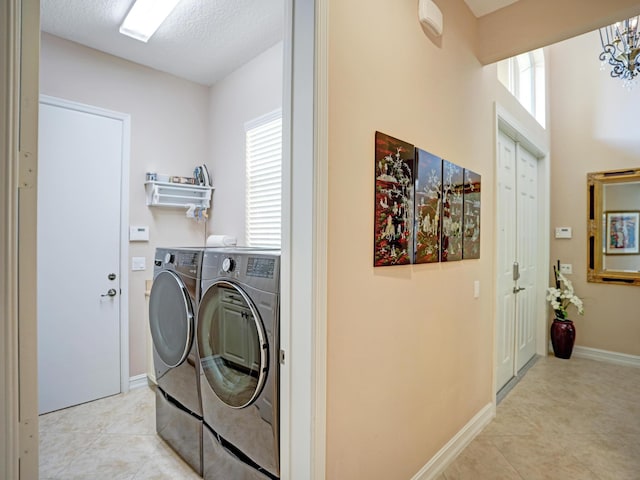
566,268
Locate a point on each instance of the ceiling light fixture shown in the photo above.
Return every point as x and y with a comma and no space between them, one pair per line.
621,49
145,17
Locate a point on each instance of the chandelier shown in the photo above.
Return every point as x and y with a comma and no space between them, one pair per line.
621,49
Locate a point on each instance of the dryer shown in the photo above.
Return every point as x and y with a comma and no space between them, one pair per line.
239,344
173,303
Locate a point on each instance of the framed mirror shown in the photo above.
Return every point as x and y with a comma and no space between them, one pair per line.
613,218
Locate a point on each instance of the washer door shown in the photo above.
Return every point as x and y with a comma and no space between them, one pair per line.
232,345
170,318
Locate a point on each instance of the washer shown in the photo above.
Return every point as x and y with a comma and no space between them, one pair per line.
239,344
173,303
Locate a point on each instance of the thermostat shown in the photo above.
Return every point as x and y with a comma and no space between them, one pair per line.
563,232
139,234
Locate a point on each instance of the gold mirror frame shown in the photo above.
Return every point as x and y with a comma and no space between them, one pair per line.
596,182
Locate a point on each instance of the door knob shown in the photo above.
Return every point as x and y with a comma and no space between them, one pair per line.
517,289
110,293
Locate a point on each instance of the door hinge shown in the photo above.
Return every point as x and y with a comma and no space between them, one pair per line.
281,357
27,170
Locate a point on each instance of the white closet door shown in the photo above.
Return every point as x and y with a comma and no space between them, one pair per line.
79,177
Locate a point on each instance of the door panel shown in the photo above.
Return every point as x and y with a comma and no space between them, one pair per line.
506,200
527,254
79,204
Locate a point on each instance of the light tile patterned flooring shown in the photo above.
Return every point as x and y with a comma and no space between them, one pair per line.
567,419
112,439
574,419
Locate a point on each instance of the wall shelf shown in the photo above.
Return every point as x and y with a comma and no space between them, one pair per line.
164,194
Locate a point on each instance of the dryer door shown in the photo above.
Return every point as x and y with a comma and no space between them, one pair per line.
170,318
232,344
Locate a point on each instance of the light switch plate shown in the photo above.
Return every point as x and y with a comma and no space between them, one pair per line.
566,268
138,263
476,289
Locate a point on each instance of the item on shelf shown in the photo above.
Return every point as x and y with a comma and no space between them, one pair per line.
201,174
152,176
183,180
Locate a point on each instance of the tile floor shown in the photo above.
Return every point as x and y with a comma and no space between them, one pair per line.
112,439
567,419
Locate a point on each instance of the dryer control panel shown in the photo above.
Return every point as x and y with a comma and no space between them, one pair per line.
261,267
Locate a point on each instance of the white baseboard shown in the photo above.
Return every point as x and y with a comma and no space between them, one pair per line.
452,449
138,381
607,356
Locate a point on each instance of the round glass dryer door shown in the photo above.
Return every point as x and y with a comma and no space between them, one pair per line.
232,345
170,318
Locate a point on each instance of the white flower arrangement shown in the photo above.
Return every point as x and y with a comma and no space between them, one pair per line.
562,296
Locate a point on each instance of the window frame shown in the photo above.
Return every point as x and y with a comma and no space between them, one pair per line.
517,76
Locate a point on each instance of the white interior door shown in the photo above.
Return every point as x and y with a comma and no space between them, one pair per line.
517,258
79,208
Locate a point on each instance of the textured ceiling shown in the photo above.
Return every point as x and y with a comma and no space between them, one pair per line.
482,7
202,40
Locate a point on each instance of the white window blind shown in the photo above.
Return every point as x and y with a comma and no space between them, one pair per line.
264,180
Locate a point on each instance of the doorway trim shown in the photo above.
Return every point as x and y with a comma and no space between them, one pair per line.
507,123
9,111
123,298
304,241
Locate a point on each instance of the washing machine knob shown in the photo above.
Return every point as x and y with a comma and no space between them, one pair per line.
169,258
228,264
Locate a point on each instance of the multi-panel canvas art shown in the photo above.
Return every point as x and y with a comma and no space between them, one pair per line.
471,222
393,223
427,207
452,191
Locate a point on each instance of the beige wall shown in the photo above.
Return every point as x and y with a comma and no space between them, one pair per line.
594,127
251,91
529,24
410,351
169,119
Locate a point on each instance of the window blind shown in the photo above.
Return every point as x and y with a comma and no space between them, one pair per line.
264,180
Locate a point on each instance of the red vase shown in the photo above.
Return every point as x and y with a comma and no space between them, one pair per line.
563,336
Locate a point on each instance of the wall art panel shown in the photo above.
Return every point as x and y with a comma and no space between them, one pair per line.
394,185
452,191
428,201
471,223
